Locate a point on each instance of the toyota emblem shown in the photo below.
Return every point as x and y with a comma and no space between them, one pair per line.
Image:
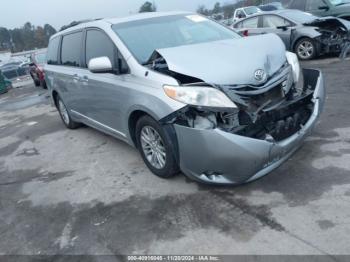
260,75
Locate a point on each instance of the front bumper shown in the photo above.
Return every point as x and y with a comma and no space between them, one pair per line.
217,157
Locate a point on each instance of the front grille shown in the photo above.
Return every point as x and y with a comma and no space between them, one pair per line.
254,99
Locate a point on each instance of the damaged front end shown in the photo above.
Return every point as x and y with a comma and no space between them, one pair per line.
232,145
334,35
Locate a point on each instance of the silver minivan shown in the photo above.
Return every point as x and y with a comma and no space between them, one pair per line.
189,93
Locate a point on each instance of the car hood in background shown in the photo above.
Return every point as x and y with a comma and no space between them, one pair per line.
227,62
330,22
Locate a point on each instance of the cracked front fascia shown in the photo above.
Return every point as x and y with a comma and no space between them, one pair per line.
292,113
331,32
218,157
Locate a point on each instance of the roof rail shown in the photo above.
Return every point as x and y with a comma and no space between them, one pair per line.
74,23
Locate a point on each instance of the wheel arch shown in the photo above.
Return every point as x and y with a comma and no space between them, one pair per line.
316,43
54,95
134,116
169,129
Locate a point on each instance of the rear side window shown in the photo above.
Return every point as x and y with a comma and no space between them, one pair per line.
99,44
273,21
239,25
251,22
52,53
71,49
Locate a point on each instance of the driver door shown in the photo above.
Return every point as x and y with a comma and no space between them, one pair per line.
279,26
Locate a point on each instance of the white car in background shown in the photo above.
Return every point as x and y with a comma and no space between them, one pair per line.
244,12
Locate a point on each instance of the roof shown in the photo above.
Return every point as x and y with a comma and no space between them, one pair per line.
91,22
142,16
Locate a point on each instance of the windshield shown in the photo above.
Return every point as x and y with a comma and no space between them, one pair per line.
339,2
300,17
251,10
40,58
143,37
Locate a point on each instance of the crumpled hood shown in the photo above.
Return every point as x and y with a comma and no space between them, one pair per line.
227,62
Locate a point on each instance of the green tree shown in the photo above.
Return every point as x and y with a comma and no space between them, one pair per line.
27,37
228,11
217,8
203,10
40,38
148,7
17,40
5,39
49,31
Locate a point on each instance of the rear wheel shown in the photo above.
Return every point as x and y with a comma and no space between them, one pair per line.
306,49
36,81
63,111
155,147
43,84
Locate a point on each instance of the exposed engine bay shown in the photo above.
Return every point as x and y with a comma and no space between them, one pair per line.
273,111
334,35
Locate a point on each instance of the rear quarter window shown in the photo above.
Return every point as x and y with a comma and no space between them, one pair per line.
52,53
251,22
239,25
71,49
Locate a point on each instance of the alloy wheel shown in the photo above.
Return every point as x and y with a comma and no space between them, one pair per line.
63,111
305,49
153,147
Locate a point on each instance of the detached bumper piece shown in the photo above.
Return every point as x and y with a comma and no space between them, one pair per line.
248,144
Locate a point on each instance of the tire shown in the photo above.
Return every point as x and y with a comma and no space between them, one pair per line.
306,49
64,114
43,84
157,153
36,82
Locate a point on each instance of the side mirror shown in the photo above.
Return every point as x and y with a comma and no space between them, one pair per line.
323,7
100,65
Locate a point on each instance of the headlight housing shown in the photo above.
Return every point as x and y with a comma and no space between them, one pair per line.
198,96
294,62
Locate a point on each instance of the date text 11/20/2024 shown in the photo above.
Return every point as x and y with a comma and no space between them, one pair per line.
174,258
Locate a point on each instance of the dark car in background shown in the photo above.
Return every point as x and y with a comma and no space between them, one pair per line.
4,84
337,8
271,6
305,34
37,68
15,71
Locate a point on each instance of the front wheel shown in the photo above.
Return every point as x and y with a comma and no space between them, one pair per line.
306,49
63,111
156,148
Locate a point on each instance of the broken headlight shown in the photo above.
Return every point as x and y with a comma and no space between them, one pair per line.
294,62
198,96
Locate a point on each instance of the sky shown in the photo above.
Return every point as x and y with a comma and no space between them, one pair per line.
14,13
